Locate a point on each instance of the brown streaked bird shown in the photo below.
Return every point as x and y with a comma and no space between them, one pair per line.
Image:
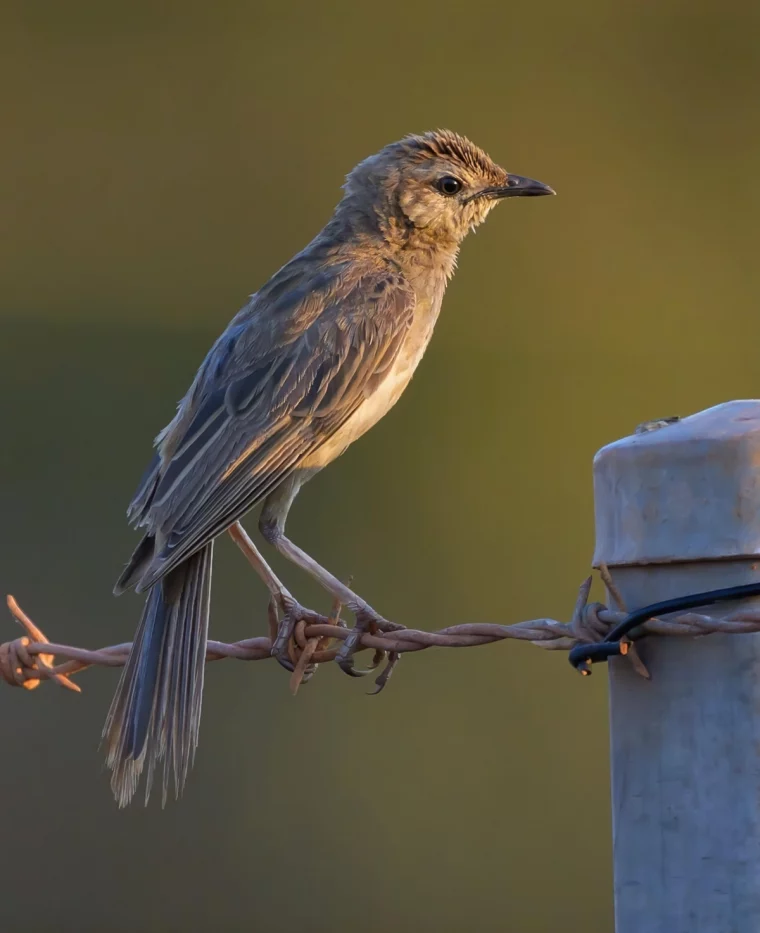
315,358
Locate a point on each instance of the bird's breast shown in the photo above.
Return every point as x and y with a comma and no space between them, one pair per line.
387,392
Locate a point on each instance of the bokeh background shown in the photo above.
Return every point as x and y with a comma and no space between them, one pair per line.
158,162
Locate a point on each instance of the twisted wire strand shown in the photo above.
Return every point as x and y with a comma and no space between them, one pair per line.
30,659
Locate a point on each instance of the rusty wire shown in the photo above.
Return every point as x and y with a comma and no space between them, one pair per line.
29,660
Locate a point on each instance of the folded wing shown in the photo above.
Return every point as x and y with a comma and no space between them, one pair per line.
283,378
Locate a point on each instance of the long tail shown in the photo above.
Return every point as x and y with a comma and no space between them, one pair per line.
156,711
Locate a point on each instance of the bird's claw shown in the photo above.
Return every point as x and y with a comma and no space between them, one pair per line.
367,620
285,613
385,675
292,611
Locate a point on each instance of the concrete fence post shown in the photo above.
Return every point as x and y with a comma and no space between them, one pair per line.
678,512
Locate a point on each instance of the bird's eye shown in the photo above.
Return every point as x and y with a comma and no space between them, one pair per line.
449,185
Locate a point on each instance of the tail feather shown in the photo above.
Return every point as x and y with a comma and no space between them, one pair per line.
155,714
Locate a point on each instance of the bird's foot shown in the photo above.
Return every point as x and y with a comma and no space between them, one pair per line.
287,617
285,613
367,621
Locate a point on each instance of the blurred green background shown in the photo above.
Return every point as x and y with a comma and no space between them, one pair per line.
158,162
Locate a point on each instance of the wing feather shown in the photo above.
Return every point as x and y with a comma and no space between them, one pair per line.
279,383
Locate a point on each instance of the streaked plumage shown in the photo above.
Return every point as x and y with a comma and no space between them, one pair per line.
314,359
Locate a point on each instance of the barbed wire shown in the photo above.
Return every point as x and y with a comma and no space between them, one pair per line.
29,660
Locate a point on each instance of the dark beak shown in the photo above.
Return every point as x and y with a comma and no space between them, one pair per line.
519,187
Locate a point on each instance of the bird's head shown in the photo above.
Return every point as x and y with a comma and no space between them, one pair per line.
439,184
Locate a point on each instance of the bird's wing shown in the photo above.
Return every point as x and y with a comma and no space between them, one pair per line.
276,386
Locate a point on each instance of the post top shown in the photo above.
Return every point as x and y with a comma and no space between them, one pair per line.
682,491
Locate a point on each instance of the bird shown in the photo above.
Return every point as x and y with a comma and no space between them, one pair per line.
311,362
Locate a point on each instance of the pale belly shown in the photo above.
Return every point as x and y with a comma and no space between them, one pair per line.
385,396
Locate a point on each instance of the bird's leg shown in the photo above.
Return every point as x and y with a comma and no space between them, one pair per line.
287,608
256,559
367,618
272,527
